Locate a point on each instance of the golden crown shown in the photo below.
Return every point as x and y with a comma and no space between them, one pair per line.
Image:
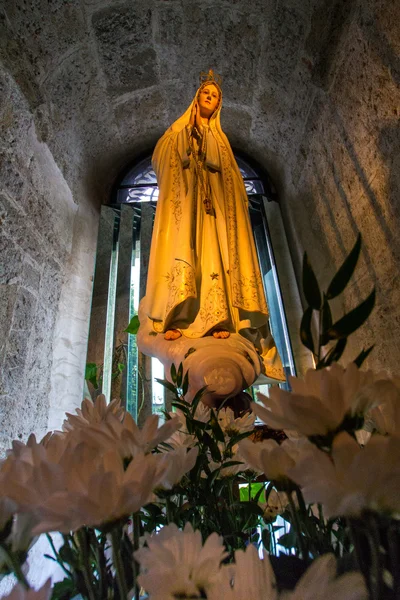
210,77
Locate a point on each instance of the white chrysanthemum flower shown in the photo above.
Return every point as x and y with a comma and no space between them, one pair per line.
177,565
181,437
352,479
386,416
150,435
233,426
54,443
320,583
20,593
203,413
70,494
178,462
318,404
93,412
84,498
229,470
230,455
253,578
271,458
126,436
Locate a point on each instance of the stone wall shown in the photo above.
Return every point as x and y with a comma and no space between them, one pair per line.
311,91
345,174
36,214
39,235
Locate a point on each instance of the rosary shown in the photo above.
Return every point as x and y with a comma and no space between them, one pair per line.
199,158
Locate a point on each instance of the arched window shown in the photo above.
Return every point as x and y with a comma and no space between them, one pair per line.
120,282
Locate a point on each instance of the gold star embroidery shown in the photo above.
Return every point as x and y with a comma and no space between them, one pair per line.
214,276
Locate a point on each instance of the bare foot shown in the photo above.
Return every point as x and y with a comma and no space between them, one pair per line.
172,334
220,334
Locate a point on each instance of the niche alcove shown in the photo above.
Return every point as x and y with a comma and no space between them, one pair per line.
115,366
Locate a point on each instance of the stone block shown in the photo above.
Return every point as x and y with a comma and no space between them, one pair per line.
169,38
125,44
12,374
7,300
8,406
30,277
50,285
20,235
142,116
177,95
16,350
11,261
81,107
285,45
330,21
16,119
46,30
11,177
236,123
24,310
227,40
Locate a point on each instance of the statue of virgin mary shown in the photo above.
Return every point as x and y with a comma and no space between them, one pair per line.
204,277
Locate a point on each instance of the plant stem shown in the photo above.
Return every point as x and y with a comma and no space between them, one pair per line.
168,510
101,563
136,536
375,573
119,567
57,556
394,556
14,566
297,525
87,571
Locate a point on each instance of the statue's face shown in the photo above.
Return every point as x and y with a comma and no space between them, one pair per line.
208,100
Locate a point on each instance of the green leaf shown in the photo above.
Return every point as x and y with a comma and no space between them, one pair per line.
120,367
173,373
305,329
266,539
288,540
179,376
310,285
333,355
249,508
198,396
353,320
256,489
326,316
91,374
363,355
236,438
170,386
342,277
185,384
190,351
213,447
216,428
63,590
260,490
133,326
181,407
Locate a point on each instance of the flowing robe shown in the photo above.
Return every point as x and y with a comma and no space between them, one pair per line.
203,270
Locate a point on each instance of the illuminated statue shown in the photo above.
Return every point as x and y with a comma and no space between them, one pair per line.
204,278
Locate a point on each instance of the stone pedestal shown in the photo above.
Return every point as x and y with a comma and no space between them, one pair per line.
225,366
